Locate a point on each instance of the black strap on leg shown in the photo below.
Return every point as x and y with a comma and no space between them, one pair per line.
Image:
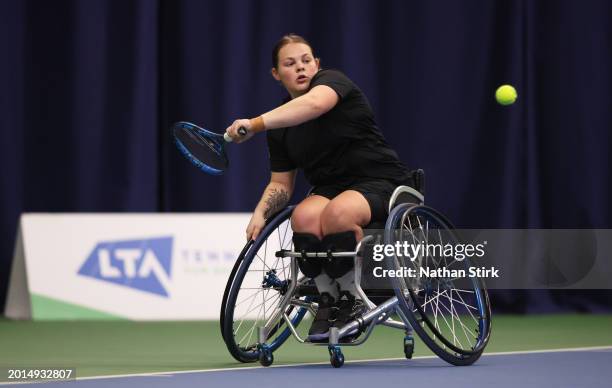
336,267
306,243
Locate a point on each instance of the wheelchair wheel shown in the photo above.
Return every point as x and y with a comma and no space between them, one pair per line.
452,315
254,290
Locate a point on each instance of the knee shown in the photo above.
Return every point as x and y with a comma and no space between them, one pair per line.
304,220
336,218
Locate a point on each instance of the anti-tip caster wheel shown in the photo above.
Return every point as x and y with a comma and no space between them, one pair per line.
265,357
336,358
408,346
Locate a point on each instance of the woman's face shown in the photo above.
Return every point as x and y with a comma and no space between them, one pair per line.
295,68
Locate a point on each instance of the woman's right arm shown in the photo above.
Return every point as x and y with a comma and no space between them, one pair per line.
275,197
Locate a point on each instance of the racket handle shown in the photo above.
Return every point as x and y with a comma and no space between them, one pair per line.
242,131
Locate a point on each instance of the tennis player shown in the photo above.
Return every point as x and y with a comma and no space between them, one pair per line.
326,127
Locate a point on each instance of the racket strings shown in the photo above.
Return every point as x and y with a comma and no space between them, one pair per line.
205,151
202,140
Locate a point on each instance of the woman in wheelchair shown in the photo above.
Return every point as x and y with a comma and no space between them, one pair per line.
327,128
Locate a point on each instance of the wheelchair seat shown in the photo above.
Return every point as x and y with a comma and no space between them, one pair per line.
415,193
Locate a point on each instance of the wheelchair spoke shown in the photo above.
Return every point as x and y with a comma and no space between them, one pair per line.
468,291
282,240
257,319
242,321
441,315
466,305
254,326
463,326
266,252
452,318
250,332
263,261
432,300
435,303
458,319
264,294
454,314
254,298
452,329
437,308
251,288
239,302
263,298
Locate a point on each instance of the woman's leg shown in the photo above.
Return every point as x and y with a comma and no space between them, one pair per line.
306,225
306,217
347,211
341,223
307,233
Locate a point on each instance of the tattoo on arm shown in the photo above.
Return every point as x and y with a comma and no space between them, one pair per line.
275,202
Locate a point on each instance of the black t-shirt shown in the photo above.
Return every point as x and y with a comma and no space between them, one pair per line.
342,146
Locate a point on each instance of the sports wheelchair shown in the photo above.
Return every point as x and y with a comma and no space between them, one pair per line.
266,298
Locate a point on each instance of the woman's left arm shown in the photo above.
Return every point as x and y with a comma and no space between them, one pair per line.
319,100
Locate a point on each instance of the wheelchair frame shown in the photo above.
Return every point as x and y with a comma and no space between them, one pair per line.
376,314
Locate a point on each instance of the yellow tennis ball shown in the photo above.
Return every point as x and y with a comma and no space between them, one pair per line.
506,95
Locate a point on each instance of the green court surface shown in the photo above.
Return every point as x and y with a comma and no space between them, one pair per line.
123,347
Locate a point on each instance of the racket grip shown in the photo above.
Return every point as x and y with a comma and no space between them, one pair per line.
242,131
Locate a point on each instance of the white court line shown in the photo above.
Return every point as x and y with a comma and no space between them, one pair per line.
171,373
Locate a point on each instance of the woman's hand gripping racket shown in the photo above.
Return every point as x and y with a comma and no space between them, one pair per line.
203,148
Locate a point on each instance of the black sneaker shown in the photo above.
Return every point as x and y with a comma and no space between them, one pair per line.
349,309
319,331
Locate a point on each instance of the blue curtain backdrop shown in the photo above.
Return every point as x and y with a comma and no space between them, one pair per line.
90,87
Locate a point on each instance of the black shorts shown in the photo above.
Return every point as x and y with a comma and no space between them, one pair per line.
376,192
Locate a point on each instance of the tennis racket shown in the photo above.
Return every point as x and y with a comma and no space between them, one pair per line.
203,148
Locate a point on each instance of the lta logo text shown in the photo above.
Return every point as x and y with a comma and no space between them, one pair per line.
144,265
